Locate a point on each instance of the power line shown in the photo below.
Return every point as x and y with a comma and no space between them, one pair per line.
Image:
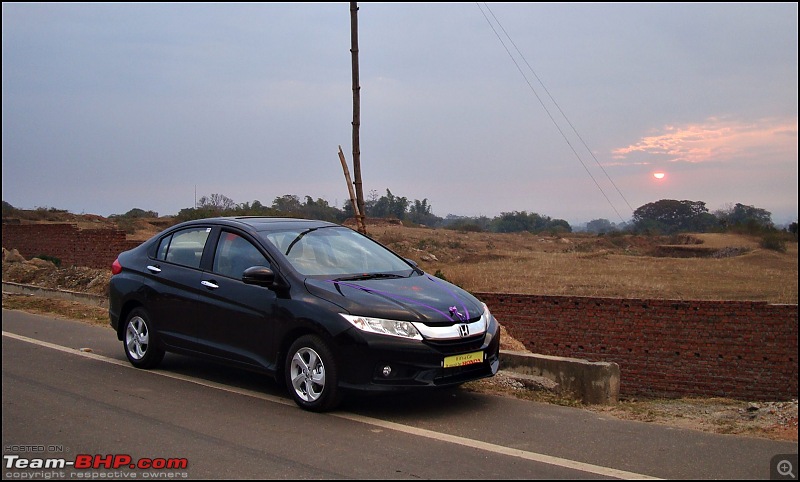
552,119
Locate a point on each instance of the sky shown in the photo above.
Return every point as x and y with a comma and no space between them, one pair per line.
562,109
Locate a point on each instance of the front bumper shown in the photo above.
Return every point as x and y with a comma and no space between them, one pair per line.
364,357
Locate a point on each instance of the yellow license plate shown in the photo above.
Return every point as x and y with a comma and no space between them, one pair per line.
462,360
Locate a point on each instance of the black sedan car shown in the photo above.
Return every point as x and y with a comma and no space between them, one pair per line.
315,304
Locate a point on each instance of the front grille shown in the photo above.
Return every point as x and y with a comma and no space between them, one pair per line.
457,345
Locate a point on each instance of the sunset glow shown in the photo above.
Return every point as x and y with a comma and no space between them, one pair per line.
715,140
659,175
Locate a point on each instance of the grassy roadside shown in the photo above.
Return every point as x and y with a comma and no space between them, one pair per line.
73,310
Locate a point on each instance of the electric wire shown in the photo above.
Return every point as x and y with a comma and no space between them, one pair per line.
547,111
553,100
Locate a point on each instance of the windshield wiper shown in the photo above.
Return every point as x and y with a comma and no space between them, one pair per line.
366,276
298,238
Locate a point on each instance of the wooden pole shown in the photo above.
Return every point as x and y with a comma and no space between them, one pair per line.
356,212
362,227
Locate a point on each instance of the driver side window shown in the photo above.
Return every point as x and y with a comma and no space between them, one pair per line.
234,254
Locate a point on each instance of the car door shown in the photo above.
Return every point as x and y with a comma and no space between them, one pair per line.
173,285
235,320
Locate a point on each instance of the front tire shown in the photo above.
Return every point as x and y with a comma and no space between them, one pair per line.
140,341
312,375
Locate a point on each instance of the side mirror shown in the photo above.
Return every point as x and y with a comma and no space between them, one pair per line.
414,265
259,276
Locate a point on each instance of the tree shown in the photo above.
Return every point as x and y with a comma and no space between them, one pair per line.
466,223
559,226
600,226
513,222
140,213
389,206
288,203
748,218
519,221
216,202
669,216
420,213
320,209
420,207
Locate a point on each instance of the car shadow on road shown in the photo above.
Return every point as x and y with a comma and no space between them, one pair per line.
427,403
436,402
222,374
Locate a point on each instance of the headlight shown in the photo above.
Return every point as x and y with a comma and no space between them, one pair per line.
487,319
402,329
487,316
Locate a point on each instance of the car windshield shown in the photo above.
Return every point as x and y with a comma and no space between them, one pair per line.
337,252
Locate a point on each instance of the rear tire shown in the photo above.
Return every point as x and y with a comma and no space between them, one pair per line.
140,341
312,375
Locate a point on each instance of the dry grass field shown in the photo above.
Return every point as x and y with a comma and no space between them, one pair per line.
711,266
733,267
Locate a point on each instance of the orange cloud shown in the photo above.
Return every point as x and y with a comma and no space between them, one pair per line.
718,140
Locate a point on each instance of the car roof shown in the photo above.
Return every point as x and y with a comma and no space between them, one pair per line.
264,223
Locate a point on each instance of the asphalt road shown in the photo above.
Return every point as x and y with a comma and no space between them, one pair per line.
83,406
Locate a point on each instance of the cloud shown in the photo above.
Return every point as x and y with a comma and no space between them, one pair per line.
716,140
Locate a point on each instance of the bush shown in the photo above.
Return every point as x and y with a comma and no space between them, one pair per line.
774,242
139,213
127,224
9,210
467,227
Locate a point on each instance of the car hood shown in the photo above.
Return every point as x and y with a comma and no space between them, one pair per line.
421,298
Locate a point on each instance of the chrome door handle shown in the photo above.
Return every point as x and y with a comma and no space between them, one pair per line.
154,269
209,284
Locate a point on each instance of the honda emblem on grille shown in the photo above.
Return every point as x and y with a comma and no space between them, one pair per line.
464,330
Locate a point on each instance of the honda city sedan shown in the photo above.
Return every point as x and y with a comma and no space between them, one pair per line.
319,306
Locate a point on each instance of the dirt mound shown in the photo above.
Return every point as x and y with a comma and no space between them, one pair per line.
45,274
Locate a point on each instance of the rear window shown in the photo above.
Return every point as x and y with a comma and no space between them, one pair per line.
184,247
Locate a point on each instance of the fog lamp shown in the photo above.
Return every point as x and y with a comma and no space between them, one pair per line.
387,370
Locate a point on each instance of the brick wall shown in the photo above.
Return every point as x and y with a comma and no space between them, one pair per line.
96,248
737,349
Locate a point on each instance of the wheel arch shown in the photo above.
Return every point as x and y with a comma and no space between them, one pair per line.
124,312
304,327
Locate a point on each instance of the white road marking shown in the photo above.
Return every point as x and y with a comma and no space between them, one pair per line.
443,437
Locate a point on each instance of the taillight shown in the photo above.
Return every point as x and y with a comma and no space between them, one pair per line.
116,268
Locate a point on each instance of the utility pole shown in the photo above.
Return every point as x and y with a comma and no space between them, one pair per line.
360,218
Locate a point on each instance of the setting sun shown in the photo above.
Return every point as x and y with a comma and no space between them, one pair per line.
659,175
